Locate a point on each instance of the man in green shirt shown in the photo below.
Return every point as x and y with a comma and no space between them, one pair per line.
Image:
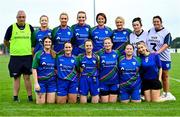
18,39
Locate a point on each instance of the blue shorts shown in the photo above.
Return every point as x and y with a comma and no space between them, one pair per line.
131,93
106,89
47,86
64,87
89,84
166,65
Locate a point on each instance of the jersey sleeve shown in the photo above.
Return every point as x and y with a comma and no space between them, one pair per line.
54,31
158,61
31,28
168,39
73,40
33,38
36,59
8,33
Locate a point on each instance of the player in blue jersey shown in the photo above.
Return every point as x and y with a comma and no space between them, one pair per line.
40,33
108,72
130,81
100,32
159,40
61,34
43,69
81,32
151,72
138,33
120,35
88,65
67,83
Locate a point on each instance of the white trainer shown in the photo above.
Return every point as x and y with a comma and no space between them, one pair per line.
168,96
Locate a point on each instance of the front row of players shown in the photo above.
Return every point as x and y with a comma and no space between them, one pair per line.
60,78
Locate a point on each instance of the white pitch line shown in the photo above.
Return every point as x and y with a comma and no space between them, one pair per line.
175,79
93,109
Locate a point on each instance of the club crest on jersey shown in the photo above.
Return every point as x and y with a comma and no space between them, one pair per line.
43,63
167,65
94,61
87,29
106,32
124,32
134,63
146,59
49,34
72,61
68,33
114,56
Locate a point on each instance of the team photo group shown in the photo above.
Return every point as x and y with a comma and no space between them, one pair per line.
78,63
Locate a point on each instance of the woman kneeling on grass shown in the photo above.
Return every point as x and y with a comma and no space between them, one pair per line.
67,83
151,72
130,81
44,74
88,65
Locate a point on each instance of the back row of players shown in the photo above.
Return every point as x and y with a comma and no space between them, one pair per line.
158,41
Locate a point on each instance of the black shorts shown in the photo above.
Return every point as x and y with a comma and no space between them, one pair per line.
151,84
20,65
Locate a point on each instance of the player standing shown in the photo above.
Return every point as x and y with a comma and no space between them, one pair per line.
81,32
61,34
120,35
40,33
138,34
159,40
100,32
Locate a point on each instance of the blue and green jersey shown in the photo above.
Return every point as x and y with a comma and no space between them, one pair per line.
98,35
59,36
44,63
80,35
129,72
67,67
37,38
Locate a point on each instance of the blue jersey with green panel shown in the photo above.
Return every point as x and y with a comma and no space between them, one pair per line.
129,72
61,35
98,35
80,35
67,67
38,37
88,66
120,38
108,73
45,65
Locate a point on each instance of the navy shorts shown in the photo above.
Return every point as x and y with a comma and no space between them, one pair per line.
166,65
20,65
64,87
89,84
107,89
47,86
131,93
151,84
